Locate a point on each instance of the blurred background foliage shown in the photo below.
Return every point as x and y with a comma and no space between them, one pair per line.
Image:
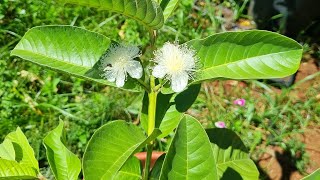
35,98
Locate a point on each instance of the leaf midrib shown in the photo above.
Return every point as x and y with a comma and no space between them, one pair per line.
120,157
44,56
231,161
238,61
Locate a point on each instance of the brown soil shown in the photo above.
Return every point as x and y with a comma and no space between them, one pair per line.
276,163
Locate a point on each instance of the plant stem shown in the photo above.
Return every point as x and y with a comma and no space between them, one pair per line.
152,94
151,123
144,85
148,161
152,106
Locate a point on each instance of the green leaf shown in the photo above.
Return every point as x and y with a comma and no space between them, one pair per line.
63,163
190,154
68,49
246,55
131,170
7,150
170,121
169,110
156,170
186,98
12,170
147,12
24,152
168,7
180,104
313,176
109,148
163,104
231,155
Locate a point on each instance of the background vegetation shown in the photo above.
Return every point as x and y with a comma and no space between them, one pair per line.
35,99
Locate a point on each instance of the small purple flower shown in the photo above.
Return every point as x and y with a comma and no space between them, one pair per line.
240,102
220,124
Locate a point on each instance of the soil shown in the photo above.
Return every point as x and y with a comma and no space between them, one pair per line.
275,163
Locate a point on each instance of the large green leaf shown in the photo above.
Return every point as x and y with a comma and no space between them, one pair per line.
148,12
246,55
24,153
68,49
131,170
190,154
63,163
168,7
12,170
231,155
7,150
110,147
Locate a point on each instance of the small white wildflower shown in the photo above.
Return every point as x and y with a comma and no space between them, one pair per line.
175,62
119,61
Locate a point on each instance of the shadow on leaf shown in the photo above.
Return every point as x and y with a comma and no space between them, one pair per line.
225,138
231,174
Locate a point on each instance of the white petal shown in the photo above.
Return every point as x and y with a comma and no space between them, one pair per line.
110,75
179,81
135,69
121,77
159,71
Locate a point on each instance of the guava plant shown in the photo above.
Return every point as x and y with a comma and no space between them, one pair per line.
170,81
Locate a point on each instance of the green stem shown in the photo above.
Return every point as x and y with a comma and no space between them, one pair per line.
151,123
148,161
144,85
152,94
152,106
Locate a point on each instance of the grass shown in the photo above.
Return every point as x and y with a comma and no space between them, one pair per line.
271,116
35,98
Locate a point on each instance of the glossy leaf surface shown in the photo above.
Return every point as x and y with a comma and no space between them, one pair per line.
168,7
148,12
131,170
23,151
67,49
231,155
190,154
12,170
63,163
7,150
109,148
246,55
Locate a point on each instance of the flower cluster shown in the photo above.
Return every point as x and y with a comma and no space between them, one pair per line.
175,63
119,61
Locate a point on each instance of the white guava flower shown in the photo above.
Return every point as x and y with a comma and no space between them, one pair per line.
176,63
118,61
